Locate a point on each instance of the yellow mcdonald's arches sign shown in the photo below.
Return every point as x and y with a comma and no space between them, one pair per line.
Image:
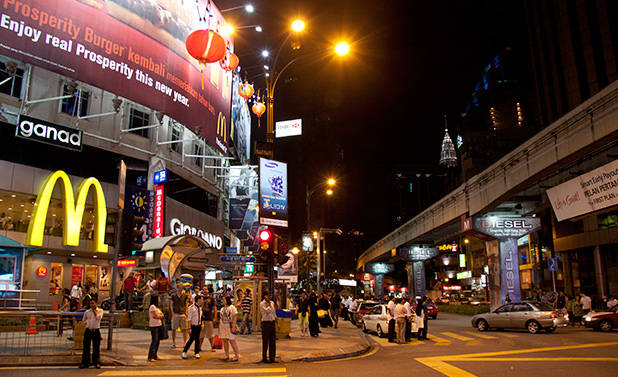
221,123
73,214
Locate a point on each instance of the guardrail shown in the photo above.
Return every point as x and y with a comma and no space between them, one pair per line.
48,333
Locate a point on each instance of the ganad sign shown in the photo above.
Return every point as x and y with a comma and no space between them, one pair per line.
49,133
178,228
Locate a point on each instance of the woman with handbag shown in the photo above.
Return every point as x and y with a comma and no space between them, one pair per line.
228,328
155,315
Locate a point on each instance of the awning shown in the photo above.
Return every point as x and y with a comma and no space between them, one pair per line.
158,243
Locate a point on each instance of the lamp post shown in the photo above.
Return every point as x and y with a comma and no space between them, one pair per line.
309,193
320,232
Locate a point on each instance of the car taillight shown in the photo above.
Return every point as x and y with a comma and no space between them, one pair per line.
553,315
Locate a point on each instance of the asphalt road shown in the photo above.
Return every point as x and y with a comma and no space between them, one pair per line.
454,349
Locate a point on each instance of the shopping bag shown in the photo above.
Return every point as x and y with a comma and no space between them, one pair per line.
322,313
163,332
217,343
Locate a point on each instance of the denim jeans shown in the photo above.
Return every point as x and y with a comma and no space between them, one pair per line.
154,342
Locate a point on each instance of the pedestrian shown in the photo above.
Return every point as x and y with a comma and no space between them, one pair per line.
76,292
314,328
560,303
268,314
409,318
247,305
352,310
324,305
586,303
421,315
209,315
390,311
92,320
401,315
612,302
507,299
194,318
345,303
128,287
303,314
228,328
335,307
570,306
163,287
156,327
178,307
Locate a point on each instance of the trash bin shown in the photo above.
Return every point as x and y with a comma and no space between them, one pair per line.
283,323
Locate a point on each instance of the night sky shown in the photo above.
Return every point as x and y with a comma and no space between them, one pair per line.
411,62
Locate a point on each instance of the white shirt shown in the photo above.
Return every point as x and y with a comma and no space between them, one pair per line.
389,309
345,302
194,315
76,291
152,320
586,303
92,319
267,310
407,306
227,313
353,306
400,311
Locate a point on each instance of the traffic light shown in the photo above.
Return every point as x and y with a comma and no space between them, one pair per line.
265,239
131,241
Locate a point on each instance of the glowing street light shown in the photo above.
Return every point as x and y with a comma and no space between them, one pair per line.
265,53
298,26
329,192
249,8
331,181
258,29
294,250
227,29
342,48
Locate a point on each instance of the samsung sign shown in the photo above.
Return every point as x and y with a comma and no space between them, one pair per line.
49,133
178,228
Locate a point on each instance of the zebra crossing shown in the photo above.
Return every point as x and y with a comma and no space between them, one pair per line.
446,338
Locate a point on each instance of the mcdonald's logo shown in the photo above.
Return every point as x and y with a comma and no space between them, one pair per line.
72,214
221,126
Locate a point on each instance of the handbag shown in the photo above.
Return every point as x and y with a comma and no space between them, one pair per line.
321,313
217,343
163,332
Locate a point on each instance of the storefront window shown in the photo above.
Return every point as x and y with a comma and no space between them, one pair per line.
7,268
608,220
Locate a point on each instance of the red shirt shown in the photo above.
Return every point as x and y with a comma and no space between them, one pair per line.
129,284
162,284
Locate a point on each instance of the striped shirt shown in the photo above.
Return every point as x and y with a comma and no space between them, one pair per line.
246,304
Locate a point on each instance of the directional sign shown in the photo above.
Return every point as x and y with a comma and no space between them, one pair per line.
552,263
236,259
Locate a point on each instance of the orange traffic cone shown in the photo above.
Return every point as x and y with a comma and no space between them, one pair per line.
32,327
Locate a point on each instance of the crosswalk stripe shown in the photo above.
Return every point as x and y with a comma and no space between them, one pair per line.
506,335
456,336
482,336
440,341
195,372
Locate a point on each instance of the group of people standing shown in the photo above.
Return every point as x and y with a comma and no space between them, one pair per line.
407,318
314,311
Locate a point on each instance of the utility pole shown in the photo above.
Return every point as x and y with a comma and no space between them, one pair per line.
122,177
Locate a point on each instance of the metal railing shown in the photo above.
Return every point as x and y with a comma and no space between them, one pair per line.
47,333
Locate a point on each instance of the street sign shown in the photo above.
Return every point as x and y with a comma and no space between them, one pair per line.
236,259
552,264
231,250
160,176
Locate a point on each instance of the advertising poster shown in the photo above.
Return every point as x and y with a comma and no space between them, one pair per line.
244,204
240,134
134,48
289,269
140,202
589,192
55,279
273,193
77,274
289,128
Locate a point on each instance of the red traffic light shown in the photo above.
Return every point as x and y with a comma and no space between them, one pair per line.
265,235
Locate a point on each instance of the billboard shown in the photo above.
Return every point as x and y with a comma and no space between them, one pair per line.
273,193
140,202
589,192
135,49
289,128
289,269
244,204
240,134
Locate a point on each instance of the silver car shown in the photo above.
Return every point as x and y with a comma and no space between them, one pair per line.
533,316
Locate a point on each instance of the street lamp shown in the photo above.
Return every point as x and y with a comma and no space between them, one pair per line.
320,233
342,48
309,193
249,8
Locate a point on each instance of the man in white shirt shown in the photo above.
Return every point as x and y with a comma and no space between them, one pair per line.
194,318
92,319
352,309
406,304
401,314
268,314
391,320
76,291
586,303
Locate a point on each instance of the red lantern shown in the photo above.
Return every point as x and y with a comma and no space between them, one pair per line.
245,90
229,62
206,46
258,108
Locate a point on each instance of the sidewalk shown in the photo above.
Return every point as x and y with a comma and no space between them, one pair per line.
347,340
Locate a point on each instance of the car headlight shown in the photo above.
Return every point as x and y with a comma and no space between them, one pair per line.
588,319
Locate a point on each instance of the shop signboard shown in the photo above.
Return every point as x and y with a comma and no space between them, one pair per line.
506,227
140,202
347,282
418,271
49,133
213,240
418,253
135,49
73,212
380,268
235,258
589,192
307,242
464,275
159,214
41,271
451,288
160,177
289,128
127,263
273,193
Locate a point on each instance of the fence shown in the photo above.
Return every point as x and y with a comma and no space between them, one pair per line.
47,333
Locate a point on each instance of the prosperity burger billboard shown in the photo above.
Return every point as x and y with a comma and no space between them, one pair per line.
133,48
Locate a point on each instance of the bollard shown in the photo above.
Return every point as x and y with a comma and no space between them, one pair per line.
78,335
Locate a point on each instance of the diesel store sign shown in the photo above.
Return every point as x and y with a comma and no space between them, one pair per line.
49,133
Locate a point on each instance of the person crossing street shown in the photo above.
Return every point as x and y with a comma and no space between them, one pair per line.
194,317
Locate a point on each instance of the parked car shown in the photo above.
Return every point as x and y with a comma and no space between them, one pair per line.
376,320
432,309
363,308
533,316
604,321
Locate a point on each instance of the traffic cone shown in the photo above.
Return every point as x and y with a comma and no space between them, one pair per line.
32,327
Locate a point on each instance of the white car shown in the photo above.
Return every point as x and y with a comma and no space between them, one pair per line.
376,320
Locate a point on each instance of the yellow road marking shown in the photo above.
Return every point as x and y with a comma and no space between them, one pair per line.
50,367
539,359
506,335
529,350
456,336
440,341
482,336
372,352
197,372
444,368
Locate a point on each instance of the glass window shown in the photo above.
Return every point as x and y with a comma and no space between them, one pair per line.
77,104
137,119
608,220
11,77
7,268
198,150
377,310
176,135
504,309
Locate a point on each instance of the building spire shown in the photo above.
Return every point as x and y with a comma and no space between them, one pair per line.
448,156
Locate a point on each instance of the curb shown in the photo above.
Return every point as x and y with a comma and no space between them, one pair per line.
366,347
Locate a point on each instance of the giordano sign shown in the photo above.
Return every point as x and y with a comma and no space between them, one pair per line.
73,213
